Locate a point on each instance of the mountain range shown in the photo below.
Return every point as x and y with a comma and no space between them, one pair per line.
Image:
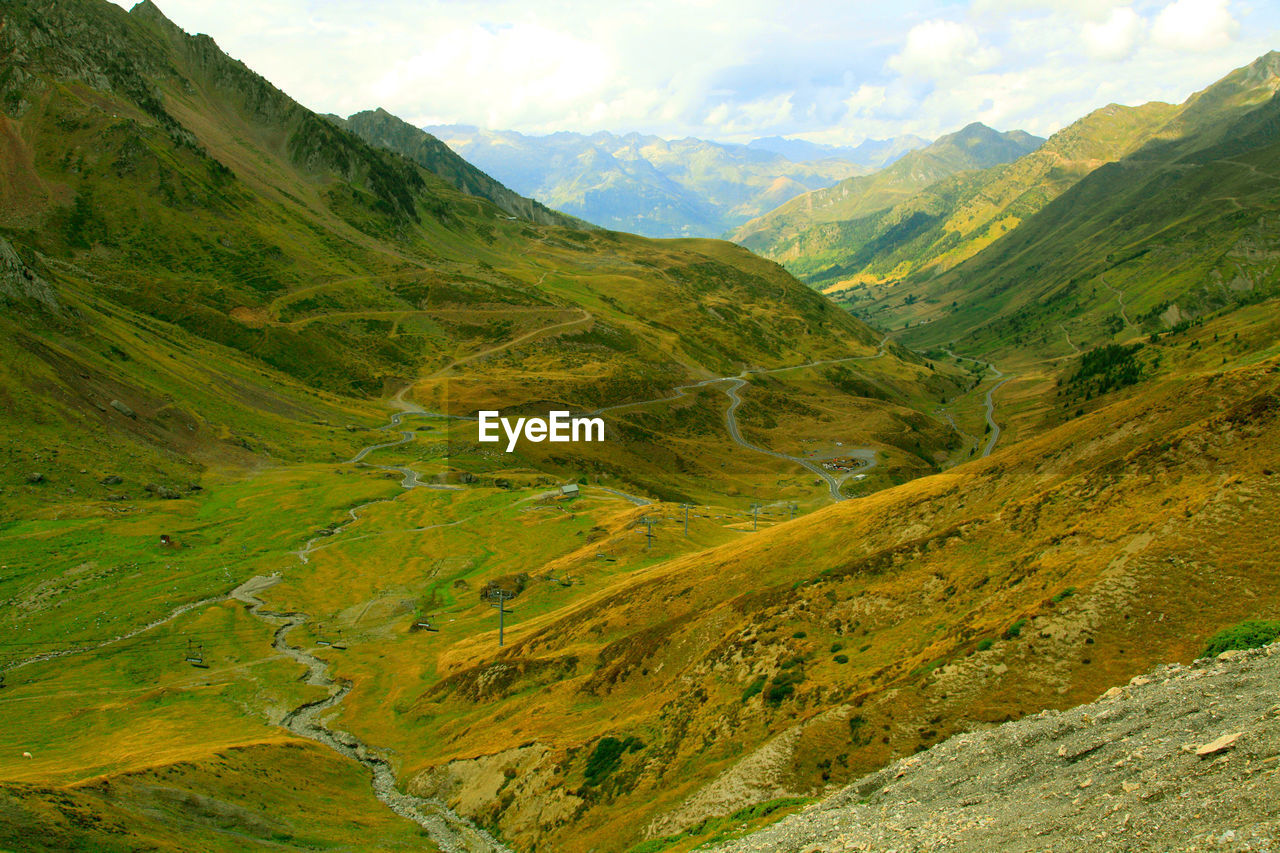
266,587
872,153
645,184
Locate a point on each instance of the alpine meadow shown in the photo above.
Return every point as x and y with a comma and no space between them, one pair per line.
903,490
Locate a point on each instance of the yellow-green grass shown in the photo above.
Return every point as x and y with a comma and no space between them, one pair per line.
292,795
58,562
561,653
139,703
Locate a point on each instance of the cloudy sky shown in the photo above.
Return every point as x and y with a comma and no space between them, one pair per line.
834,72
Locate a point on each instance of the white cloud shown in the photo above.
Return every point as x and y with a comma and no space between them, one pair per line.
508,75
1195,25
736,69
938,48
866,100
1114,38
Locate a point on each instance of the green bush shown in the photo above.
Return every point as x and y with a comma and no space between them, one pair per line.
1015,629
1066,593
837,647
799,635
841,658
608,752
753,688
985,643
784,684
1250,634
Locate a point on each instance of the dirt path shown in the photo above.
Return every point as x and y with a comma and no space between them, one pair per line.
1070,342
585,320
102,644
449,831
1124,314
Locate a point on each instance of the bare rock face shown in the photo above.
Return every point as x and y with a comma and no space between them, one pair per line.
19,283
1182,758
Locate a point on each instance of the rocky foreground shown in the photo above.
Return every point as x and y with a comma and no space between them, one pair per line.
1183,758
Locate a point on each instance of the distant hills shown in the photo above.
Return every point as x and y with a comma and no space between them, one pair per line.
1177,226
657,187
799,231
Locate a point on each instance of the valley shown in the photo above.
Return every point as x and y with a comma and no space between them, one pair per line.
266,588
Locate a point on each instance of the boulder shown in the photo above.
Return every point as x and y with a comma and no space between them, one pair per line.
123,409
35,478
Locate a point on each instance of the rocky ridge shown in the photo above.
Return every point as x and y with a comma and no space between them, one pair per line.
1186,757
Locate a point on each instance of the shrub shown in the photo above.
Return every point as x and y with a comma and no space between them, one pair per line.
753,688
1015,629
1250,634
985,643
837,647
841,658
1066,593
784,684
608,752
799,635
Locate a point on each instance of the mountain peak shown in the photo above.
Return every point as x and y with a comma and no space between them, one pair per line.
148,11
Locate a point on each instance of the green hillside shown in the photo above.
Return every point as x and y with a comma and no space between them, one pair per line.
784,234
958,216
251,542
378,127
1173,233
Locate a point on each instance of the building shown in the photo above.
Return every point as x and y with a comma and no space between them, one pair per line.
569,490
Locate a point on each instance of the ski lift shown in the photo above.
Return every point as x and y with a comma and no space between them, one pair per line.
195,655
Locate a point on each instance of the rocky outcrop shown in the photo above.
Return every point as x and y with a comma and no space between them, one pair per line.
1185,758
20,283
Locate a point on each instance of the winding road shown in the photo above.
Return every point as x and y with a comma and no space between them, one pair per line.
991,404
736,383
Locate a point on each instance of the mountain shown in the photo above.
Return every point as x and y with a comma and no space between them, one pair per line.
1174,231
955,217
267,585
380,128
872,153
652,186
784,233
213,300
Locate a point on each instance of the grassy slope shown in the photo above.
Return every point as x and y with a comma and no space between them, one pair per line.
1177,229
1077,534
699,649
780,233
242,275
193,193
958,216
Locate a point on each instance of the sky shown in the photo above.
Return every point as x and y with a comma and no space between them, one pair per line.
829,72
